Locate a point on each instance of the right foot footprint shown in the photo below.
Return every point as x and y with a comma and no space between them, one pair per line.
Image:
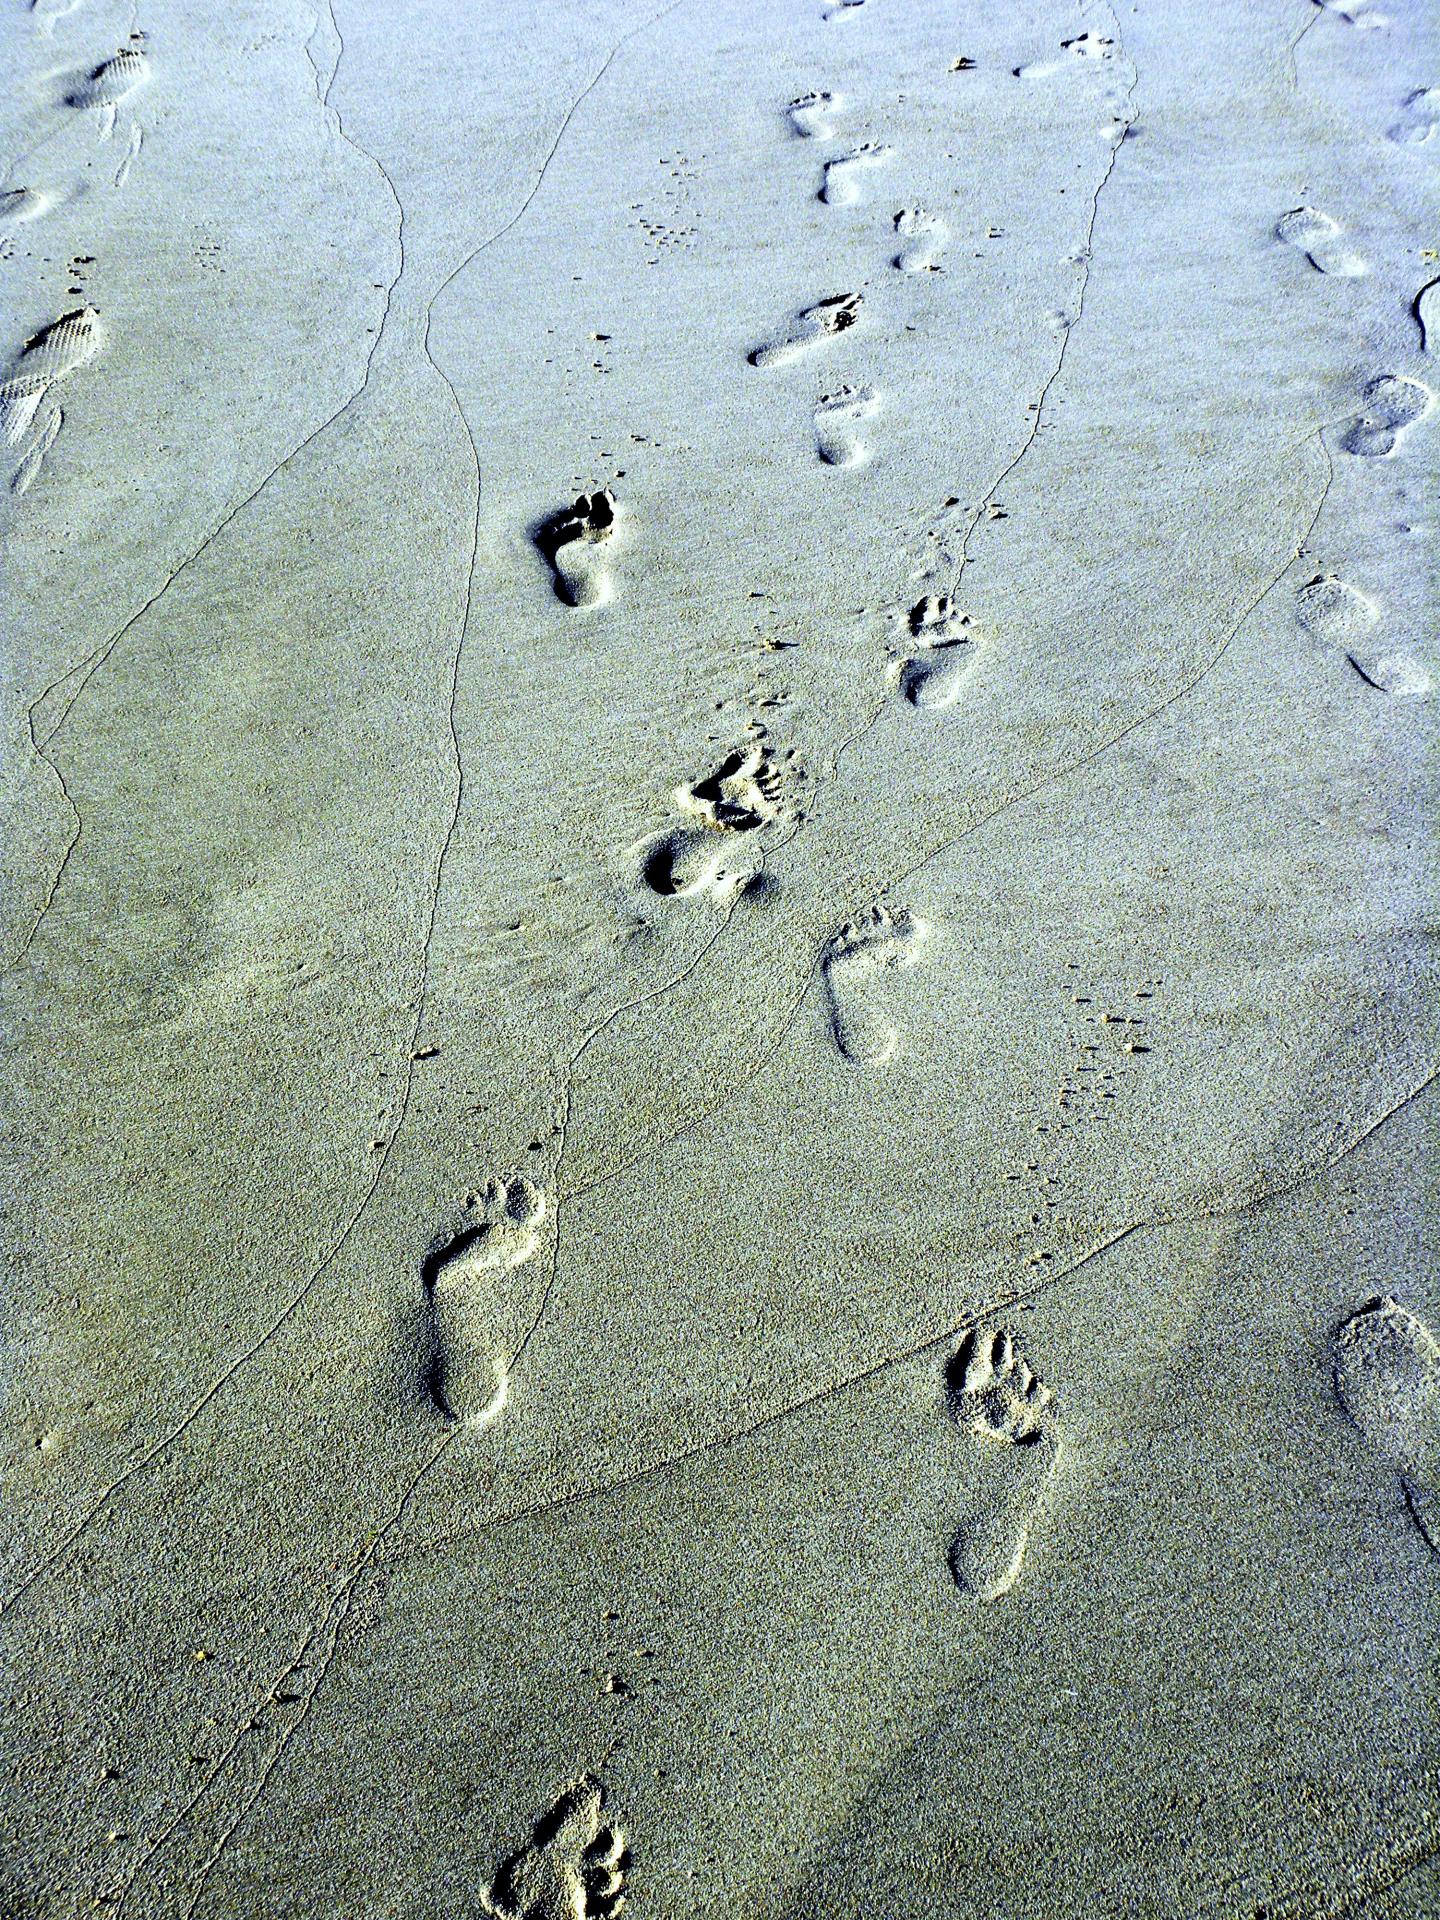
1318,237
992,1392
876,941
841,186
1393,404
922,236
810,327
573,1868
51,354
1387,1375
812,114
573,542
836,418
466,1364
1338,615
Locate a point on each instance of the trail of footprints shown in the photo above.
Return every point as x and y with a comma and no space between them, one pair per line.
30,416
1328,610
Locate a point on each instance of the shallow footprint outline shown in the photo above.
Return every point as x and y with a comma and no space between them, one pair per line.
837,416
1386,1367
1335,614
812,115
842,180
994,1394
573,1867
1394,403
1321,239
875,942
922,238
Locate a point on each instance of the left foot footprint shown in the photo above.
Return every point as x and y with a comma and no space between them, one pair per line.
992,1392
1084,47
876,941
835,420
932,678
1393,404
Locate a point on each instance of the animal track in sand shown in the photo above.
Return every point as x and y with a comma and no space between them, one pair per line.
572,1868
931,677
992,1392
1419,118
813,114
47,357
1386,1364
922,237
1393,404
874,942
840,186
1318,237
836,418
810,328
1082,50
465,1367
574,544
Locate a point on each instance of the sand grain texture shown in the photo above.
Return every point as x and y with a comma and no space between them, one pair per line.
720,999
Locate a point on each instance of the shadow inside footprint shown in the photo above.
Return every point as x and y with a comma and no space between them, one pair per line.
992,1392
572,543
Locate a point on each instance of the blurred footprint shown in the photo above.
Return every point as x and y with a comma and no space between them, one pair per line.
875,942
1082,50
1386,1365
841,184
1317,236
922,237
1419,118
1394,403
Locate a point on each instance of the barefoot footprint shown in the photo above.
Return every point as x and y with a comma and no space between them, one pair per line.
812,115
574,542
836,418
573,1868
717,857
810,327
1420,117
1318,237
841,184
932,677
921,238
992,1392
874,942
466,1362
1386,1363
1393,404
